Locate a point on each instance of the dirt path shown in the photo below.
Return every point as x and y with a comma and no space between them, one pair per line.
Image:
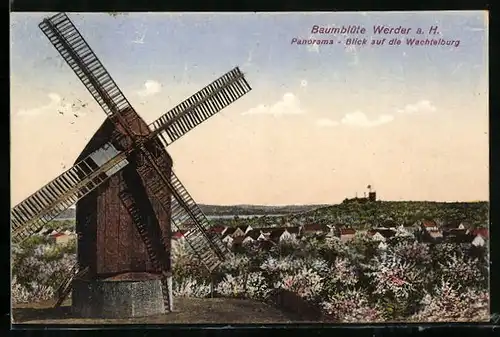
188,311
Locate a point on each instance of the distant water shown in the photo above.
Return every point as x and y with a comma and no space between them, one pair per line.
212,217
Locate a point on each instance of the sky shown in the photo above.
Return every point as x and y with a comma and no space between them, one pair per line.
321,122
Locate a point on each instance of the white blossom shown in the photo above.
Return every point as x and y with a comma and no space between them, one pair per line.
350,306
306,283
190,287
450,303
231,286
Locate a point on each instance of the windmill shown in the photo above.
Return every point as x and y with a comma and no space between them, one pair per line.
126,194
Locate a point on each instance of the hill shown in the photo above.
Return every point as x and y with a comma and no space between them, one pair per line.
255,209
359,215
402,212
67,214
218,210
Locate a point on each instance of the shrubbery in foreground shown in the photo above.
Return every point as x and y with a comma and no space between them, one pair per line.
358,282
353,282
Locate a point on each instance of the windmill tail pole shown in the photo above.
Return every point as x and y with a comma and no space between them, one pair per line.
212,287
170,293
167,276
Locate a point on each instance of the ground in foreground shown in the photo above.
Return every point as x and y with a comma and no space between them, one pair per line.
188,311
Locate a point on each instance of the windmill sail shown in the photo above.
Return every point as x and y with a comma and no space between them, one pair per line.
71,45
199,238
176,122
200,106
59,194
77,53
65,287
45,204
208,247
41,207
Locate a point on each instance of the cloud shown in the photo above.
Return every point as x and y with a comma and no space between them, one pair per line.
457,67
474,29
56,103
423,106
140,40
352,53
352,50
326,122
150,88
314,48
288,105
359,119
248,62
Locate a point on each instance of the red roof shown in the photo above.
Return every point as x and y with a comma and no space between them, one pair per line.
276,233
428,223
217,229
389,223
178,234
347,231
238,240
229,231
56,235
266,244
254,234
480,231
313,227
292,230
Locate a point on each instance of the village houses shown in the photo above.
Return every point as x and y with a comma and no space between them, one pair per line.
427,230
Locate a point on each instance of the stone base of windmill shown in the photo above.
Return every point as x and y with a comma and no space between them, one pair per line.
123,296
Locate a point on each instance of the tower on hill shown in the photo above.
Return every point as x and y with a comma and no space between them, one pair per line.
372,195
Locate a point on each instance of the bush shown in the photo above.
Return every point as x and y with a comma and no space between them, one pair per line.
306,283
38,271
451,303
231,286
461,271
341,276
350,306
185,265
396,285
350,282
190,287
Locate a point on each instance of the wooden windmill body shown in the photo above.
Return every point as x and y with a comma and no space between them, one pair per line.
109,240
126,193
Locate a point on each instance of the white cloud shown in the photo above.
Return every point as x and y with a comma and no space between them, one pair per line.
150,88
326,122
303,83
56,103
288,105
352,50
314,48
474,29
54,98
141,39
359,119
457,67
419,107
